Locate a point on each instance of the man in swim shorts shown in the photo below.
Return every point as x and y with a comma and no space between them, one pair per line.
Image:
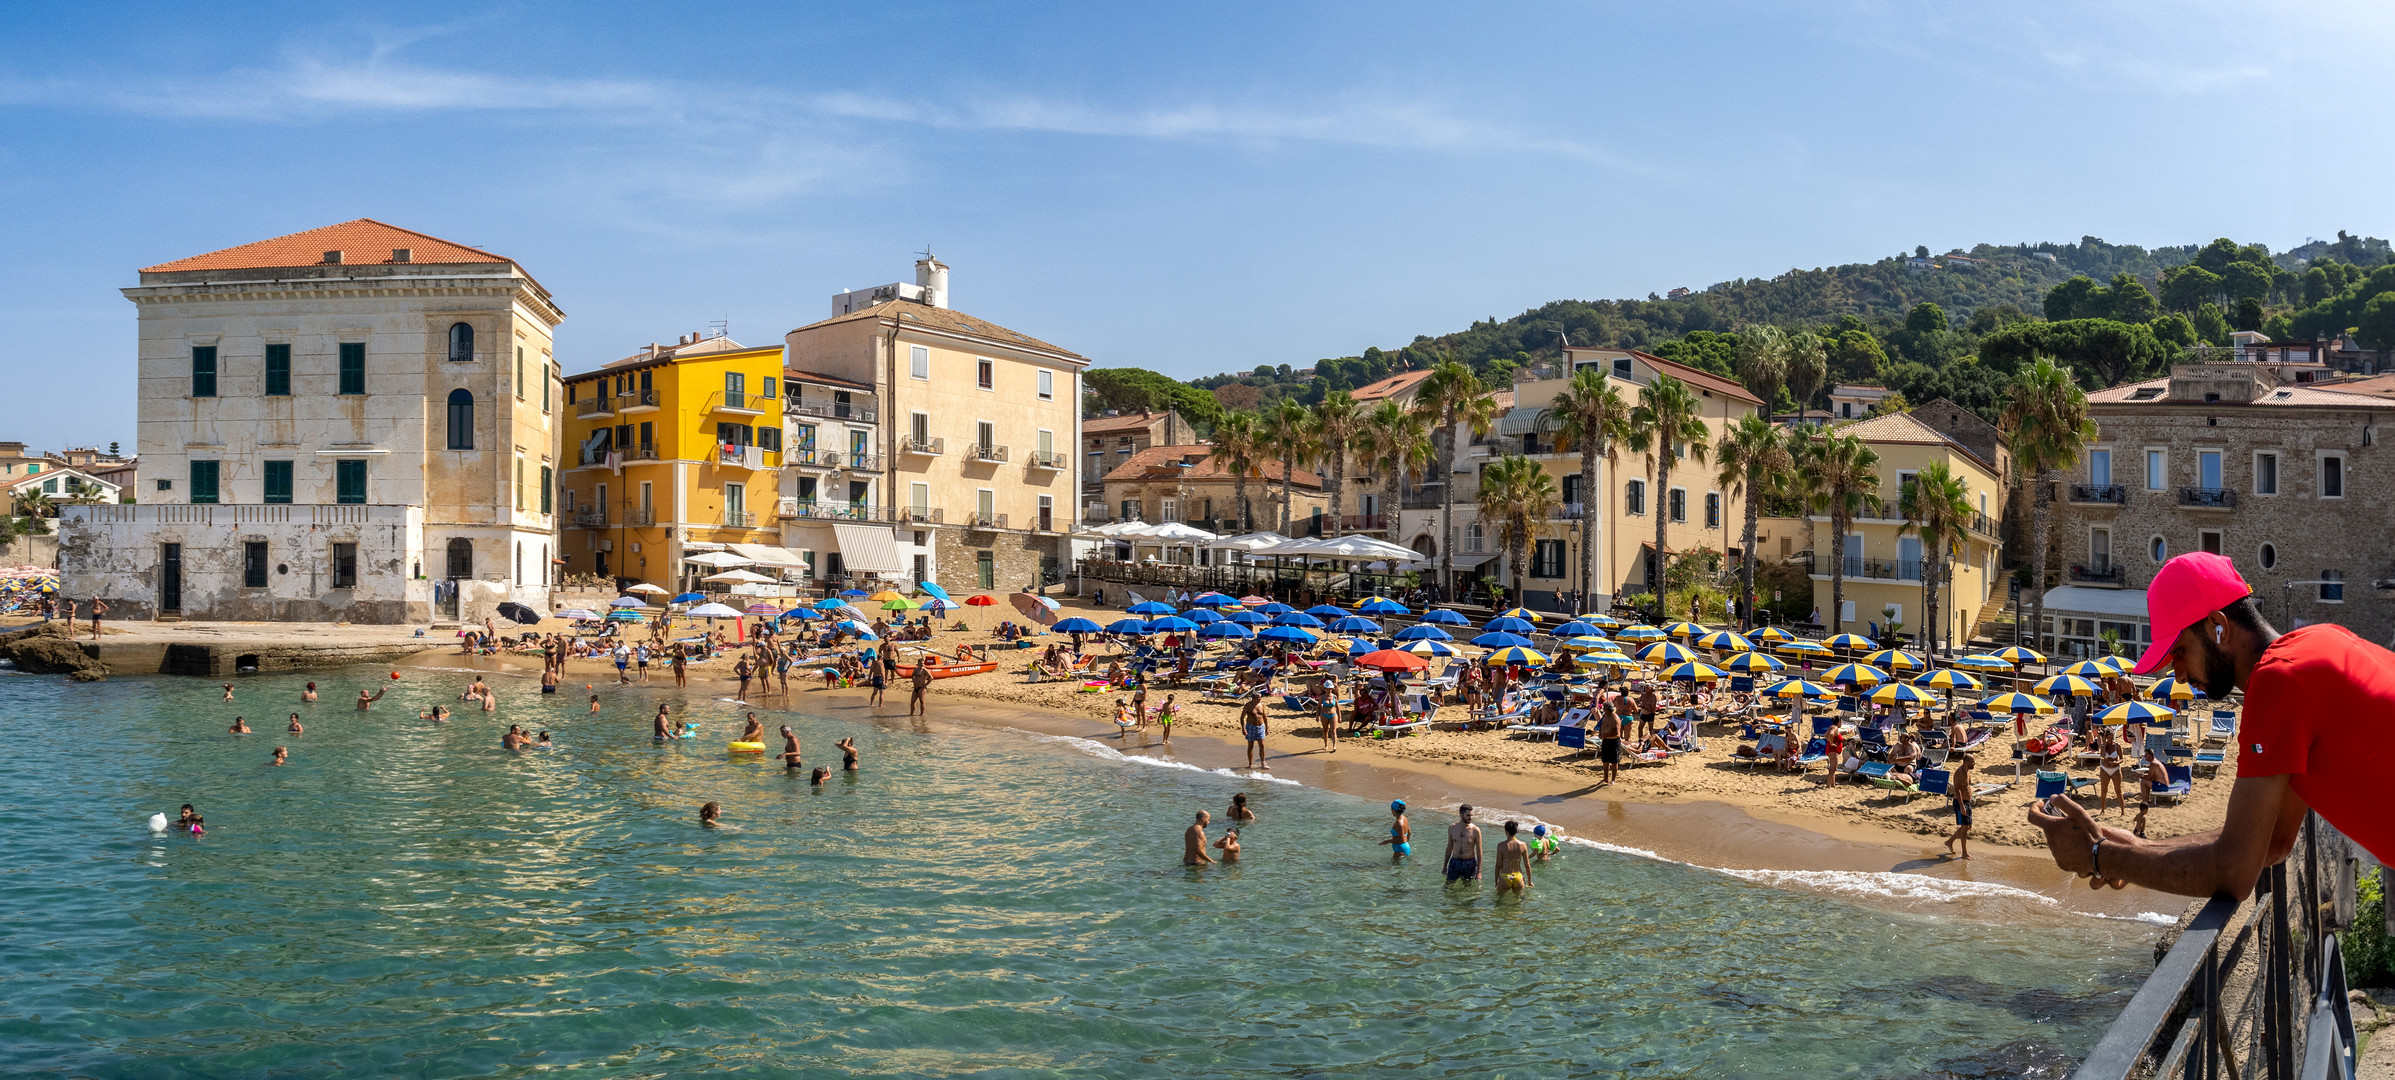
790,758
1513,861
917,702
1609,744
1251,725
1193,843
366,701
1463,848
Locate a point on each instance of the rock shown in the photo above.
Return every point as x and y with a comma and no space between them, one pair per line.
49,650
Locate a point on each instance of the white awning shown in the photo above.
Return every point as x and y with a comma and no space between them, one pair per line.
768,555
1255,541
1520,420
2115,604
871,548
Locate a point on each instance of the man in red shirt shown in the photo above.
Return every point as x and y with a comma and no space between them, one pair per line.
2318,734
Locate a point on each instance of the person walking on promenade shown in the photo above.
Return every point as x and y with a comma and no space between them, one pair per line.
2318,733
99,607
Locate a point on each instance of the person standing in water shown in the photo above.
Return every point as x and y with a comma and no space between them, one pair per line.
308,696
548,679
848,754
754,732
228,691
295,728
1513,861
239,727
366,700
1463,848
282,754
594,704
822,773
918,702
1239,811
1193,843
880,680
1401,832
1229,846
661,729
790,757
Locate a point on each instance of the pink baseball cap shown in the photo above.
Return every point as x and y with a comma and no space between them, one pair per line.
2187,589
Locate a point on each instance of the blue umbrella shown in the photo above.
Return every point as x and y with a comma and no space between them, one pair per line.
1424,632
935,592
854,593
1275,608
1076,626
1444,617
1360,646
1329,611
799,613
1383,606
1506,624
1355,624
687,598
1287,633
624,615
1149,608
1202,616
1226,629
829,603
1296,618
1576,629
1172,624
1127,626
1431,647
627,602
1501,640
1213,600
1249,618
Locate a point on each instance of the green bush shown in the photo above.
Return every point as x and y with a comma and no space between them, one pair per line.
2369,953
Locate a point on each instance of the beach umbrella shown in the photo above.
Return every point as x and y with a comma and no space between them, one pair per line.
1359,646
1753,663
1849,641
1798,688
2135,712
1897,693
1609,659
1202,616
2120,665
1501,640
937,606
2090,669
1858,674
627,602
577,613
643,587
1576,628
1076,625
1382,605
621,615
1251,601
1982,662
1444,617
1328,611
1773,633
1132,626
1947,679
1226,629
1149,607
857,628
1665,652
897,603
2017,655
1896,660
1171,624
2174,689
1725,641
738,577
828,603
1212,600
713,611
1391,660
1519,613
1037,608
1431,647
1424,632
1602,620
1692,671
1516,654
762,608
886,595
1508,624
1273,608
1639,632
853,594
1299,635
983,600
2053,685
802,613
1687,631
687,598
1584,643
1801,647
1249,618
1297,618
1355,624
2016,703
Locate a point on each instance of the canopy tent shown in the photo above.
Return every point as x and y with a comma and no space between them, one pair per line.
872,549
738,577
1348,548
767,555
1250,542
717,559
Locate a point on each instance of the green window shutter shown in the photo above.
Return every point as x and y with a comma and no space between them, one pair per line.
203,372
278,481
203,481
548,494
278,371
349,480
353,367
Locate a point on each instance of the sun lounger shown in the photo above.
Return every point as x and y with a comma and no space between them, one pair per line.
1533,732
2210,761
1875,743
1572,738
1765,749
1978,736
1815,751
2182,780
2222,728
1934,781
1391,731
1680,735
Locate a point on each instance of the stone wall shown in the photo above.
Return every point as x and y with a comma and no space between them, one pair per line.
115,552
1015,555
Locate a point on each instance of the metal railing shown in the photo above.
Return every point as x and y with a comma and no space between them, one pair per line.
2099,493
2110,574
986,521
1047,459
638,397
2253,989
835,510
1362,522
745,457
863,414
2208,498
738,519
644,452
931,447
735,401
1570,511
986,452
598,404
1855,567
590,519
919,515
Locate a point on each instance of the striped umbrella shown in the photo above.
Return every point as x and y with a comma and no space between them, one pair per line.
1431,647
1666,652
2173,689
1519,613
1896,660
1585,643
1507,624
1897,693
2120,665
1639,632
2017,703
1609,659
763,609
1983,662
1692,672
1251,601
1424,632
2017,655
1947,679
1802,647
1857,674
2090,669
2135,712
1726,641
1773,633
1850,641
577,613
1798,688
1753,663
2055,685
1518,655
1601,619
1687,631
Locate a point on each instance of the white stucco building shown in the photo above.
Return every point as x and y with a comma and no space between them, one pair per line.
357,423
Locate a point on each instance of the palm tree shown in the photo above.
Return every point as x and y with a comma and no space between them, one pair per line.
1591,414
1236,443
2046,424
1845,480
1451,397
1668,423
1286,434
1936,503
1334,426
1517,496
1806,366
1763,363
1398,439
1754,461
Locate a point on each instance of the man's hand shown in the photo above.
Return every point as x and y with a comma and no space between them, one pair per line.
2071,835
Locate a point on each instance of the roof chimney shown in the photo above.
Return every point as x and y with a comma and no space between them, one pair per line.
932,275
332,258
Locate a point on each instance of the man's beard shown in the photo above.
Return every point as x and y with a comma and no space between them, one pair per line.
2220,674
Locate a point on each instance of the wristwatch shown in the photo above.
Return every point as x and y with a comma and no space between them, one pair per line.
2095,858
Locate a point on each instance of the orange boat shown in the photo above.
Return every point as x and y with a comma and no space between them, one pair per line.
943,668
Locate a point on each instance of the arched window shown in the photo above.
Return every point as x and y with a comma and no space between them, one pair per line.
461,419
461,557
461,342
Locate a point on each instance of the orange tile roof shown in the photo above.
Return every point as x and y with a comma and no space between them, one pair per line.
364,242
1106,425
1391,386
1158,463
1702,380
903,312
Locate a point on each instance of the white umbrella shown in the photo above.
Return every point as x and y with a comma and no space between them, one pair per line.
627,602
745,577
644,587
712,611
717,559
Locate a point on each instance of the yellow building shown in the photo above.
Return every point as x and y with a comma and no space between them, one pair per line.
672,452
1884,560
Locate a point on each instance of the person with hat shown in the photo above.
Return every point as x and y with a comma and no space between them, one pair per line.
2318,733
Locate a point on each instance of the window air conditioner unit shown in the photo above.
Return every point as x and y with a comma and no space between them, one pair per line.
607,545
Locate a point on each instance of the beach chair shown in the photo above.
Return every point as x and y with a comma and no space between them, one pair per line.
1742,684
1391,731
2222,729
2182,780
2208,762
1877,773
1822,725
1933,757
1978,736
1815,751
1765,749
1875,743
1680,735
1849,705
1934,781
2050,784
1572,738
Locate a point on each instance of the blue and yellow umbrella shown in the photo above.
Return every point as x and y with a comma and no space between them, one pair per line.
1516,654
1666,652
1850,641
1725,641
1692,672
1801,647
1519,613
2091,669
1773,633
1983,662
1947,679
1687,631
1897,693
2135,712
1798,688
1639,632
2017,655
1896,660
1855,674
2073,685
1753,663
2174,689
2017,703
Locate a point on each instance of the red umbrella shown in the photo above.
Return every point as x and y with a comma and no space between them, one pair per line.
979,601
1038,609
1392,660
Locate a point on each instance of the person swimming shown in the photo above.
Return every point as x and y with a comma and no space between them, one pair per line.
239,727
282,755
821,774
1239,810
1401,833
295,728
754,732
190,821
438,714
1542,844
709,814
543,742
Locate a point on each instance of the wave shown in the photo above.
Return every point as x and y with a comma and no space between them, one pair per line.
1103,752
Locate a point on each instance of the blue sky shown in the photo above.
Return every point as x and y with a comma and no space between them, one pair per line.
1192,188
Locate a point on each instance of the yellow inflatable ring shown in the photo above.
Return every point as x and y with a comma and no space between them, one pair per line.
747,747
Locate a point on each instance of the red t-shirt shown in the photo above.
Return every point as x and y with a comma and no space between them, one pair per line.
2320,710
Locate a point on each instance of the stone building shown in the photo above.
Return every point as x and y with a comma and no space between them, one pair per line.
1884,564
357,422
1188,484
1109,441
2238,458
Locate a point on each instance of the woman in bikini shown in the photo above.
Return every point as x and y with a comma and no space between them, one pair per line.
2108,772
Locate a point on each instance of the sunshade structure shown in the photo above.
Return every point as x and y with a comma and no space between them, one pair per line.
691,598
1501,640
1773,633
862,631
802,613
1249,618
1692,672
1687,631
886,595
1665,652
1982,662
2135,712
764,609
1212,600
1382,605
1077,625
1897,693
1603,621
1725,641
1359,647
853,594
1391,660
1149,607
1518,655
829,603
741,577
980,600
899,603
1896,660
2017,655
1133,627
624,615
2090,669
936,606
1802,647
627,602
1274,607
577,613
1328,611
1171,624
1947,679
1798,688
1639,632
1248,544
1297,618
1519,613
1226,630
1855,642
1202,616
1444,617
713,611
2169,689
1424,632
519,614
2073,685
717,559
1354,624
2017,703
1037,608
1508,624
1427,647
1753,663
1585,643
1609,659
1251,601
644,587
1293,634
1576,628
1854,674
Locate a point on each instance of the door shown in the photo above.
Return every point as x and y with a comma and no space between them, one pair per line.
170,577
1854,555
1908,558
735,505
2099,551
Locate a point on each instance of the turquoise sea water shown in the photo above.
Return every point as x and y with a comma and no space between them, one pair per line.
407,899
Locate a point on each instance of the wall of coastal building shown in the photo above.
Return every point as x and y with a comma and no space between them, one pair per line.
113,553
1015,557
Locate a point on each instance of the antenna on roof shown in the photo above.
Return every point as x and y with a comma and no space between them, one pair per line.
926,252
722,326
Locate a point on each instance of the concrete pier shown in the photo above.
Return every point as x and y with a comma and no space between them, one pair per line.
219,649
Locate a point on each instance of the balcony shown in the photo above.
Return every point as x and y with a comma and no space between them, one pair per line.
2100,493
833,510
640,519
922,447
832,410
738,519
2112,574
918,515
637,399
1047,459
1856,568
744,457
1570,511
590,519
598,404
1349,523
2198,498
985,452
985,521
738,404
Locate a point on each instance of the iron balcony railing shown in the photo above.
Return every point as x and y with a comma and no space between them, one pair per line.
745,457
986,521
863,414
1570,511
1858,567
919,515
926,447
638,397
2101,574
598,404
2208,498
986,452
738,519
589,519
640,519
737,402
1047,459
2099,493
1362,522
834,510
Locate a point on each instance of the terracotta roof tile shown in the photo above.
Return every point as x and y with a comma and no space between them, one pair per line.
1908,429
361,242
1390,387
1158,463
1107,425
909,311
792,374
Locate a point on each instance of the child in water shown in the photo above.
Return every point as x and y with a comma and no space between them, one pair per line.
1229,846
708,815
822,773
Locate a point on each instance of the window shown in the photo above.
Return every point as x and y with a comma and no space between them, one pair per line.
1047,385
461,557
1473,538
985,569
203,371
2157,550
1130,510
2099,468
2099,551
1634,497
278,371
519,486
985,374
203,481
349,481
166,485
2207,469
859,445
806,438
2157,470
353,367
461,418
2266,473
769,387
918,363
1047,512
1047,443
519,562
1713,509
648,497
1547,559
985,503
461,342
770,438
2332,476
919,426
278,482
548,494
345,566
547,373
519,397
2332,586
2208,540
253,564
735,386
2270,556
918,495
1679,504
1621,367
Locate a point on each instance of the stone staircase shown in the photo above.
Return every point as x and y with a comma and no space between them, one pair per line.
1994,630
